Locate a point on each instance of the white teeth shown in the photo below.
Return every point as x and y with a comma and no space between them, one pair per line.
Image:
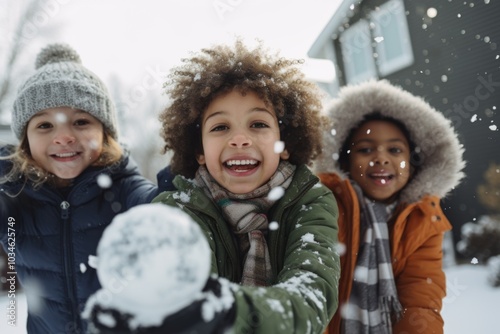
65,155
241,162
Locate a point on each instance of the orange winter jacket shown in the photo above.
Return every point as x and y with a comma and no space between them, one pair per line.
416,235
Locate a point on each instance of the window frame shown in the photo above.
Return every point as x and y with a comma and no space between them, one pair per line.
395,9
357,38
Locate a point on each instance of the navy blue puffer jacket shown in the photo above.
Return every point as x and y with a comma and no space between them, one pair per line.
54,234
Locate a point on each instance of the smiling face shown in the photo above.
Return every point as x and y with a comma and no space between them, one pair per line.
64,141
379,160
239,133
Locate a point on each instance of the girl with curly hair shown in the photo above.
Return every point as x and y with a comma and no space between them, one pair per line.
243,125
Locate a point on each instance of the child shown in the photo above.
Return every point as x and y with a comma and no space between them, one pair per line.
271,226
62,186
394,157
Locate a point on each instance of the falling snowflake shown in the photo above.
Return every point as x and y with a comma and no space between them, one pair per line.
276,193
104,181
61,118
474,261
279,147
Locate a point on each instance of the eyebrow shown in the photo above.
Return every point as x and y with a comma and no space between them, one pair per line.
222,112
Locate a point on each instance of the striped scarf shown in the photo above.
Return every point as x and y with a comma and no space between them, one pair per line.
246,215
373,303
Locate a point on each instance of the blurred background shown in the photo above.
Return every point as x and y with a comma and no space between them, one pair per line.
447,52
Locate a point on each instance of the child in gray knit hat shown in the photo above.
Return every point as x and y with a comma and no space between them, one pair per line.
61,187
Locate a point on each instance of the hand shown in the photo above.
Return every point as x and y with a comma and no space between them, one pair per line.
213,313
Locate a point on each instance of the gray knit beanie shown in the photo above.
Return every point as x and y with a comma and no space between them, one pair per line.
62,81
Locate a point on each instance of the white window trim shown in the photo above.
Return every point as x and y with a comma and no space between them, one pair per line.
393,9
357,39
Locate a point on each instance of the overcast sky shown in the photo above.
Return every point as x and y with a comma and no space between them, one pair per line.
130,38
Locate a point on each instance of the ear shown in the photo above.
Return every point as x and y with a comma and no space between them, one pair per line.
284,155
201,159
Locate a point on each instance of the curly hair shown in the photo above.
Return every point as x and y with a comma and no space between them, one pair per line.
215,71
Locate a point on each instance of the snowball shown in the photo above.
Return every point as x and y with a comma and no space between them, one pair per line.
154,259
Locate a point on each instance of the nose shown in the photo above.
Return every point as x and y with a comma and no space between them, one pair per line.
64,136
380,157
240,140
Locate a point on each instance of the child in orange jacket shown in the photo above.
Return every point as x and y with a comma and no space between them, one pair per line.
389,159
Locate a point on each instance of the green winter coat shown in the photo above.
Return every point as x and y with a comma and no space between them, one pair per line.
304,292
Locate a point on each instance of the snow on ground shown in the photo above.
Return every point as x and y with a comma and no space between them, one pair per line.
471,304
470,307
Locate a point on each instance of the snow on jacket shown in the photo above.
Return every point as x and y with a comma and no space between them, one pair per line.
54,235
418,224
303,254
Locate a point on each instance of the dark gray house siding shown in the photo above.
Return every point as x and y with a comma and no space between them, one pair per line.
456,68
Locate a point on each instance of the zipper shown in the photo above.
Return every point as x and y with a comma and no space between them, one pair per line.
67,250
228,242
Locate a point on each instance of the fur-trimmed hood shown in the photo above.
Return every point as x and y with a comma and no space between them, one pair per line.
441,161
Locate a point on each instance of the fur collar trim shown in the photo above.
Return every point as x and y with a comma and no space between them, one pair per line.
441,153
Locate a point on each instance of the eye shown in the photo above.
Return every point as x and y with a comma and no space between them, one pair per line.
81,122
395,150
259,125
219,128
44,125
364,150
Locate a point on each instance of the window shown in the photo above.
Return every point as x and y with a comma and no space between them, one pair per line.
391,33
357,53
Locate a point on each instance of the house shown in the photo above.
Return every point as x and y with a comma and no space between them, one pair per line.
448,52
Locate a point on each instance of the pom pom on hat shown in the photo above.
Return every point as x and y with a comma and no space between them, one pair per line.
62,81
56,53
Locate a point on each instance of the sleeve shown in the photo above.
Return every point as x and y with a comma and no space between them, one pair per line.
139,190
422,287
305,296
165,179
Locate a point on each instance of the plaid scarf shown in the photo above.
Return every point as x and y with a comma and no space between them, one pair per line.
373,302
246,215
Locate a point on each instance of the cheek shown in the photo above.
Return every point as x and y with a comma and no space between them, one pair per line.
94,140
356,164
